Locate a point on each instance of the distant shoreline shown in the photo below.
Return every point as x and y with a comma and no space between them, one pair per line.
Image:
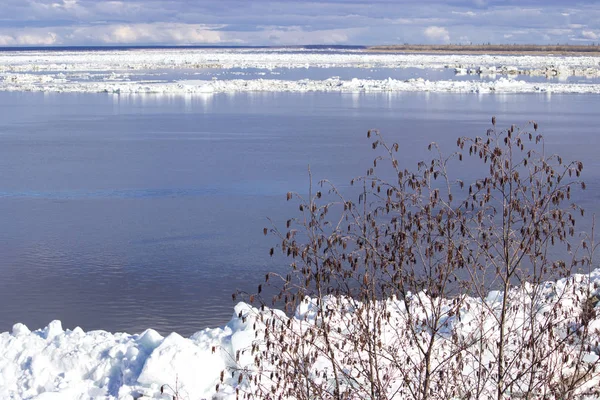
517,49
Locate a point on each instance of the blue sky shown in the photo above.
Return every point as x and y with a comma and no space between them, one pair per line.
292,22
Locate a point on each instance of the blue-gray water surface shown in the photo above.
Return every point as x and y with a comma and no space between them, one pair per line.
128,212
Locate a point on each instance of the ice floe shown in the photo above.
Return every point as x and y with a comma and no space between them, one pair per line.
28,61
45,83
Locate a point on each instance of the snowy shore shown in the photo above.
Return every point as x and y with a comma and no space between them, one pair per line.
147,70
53,363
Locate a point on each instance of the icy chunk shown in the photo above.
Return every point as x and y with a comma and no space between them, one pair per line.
53,329
20,330
150,339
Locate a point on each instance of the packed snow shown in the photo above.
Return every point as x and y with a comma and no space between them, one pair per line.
53,363
144,70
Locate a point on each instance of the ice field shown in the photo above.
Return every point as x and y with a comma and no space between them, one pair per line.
210,70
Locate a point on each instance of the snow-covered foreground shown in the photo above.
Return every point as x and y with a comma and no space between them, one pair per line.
53,363
146,71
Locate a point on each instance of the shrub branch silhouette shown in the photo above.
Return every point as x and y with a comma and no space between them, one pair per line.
427,287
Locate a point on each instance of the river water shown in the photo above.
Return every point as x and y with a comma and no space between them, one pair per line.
127,212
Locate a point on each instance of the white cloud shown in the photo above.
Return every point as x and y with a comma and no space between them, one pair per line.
174,34
93,22
69,3
437,33
6,40
70,6
417,21
465,13
591,35
111,7
559,32
32,38
28,40
156,33
297,35
160,33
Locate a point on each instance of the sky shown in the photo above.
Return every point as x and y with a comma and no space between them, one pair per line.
296,22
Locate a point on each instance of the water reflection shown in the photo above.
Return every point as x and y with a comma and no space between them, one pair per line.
150,102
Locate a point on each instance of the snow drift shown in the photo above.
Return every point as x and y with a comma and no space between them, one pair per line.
53,363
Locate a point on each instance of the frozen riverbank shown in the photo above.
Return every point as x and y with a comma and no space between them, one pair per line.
53,363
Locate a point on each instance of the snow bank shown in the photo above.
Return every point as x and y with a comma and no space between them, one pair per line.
53,363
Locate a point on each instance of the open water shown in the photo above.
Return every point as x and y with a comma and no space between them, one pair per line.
128,212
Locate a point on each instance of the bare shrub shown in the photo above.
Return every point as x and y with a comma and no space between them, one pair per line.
428,287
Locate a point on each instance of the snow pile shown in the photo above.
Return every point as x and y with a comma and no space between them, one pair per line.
45,83
53,363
